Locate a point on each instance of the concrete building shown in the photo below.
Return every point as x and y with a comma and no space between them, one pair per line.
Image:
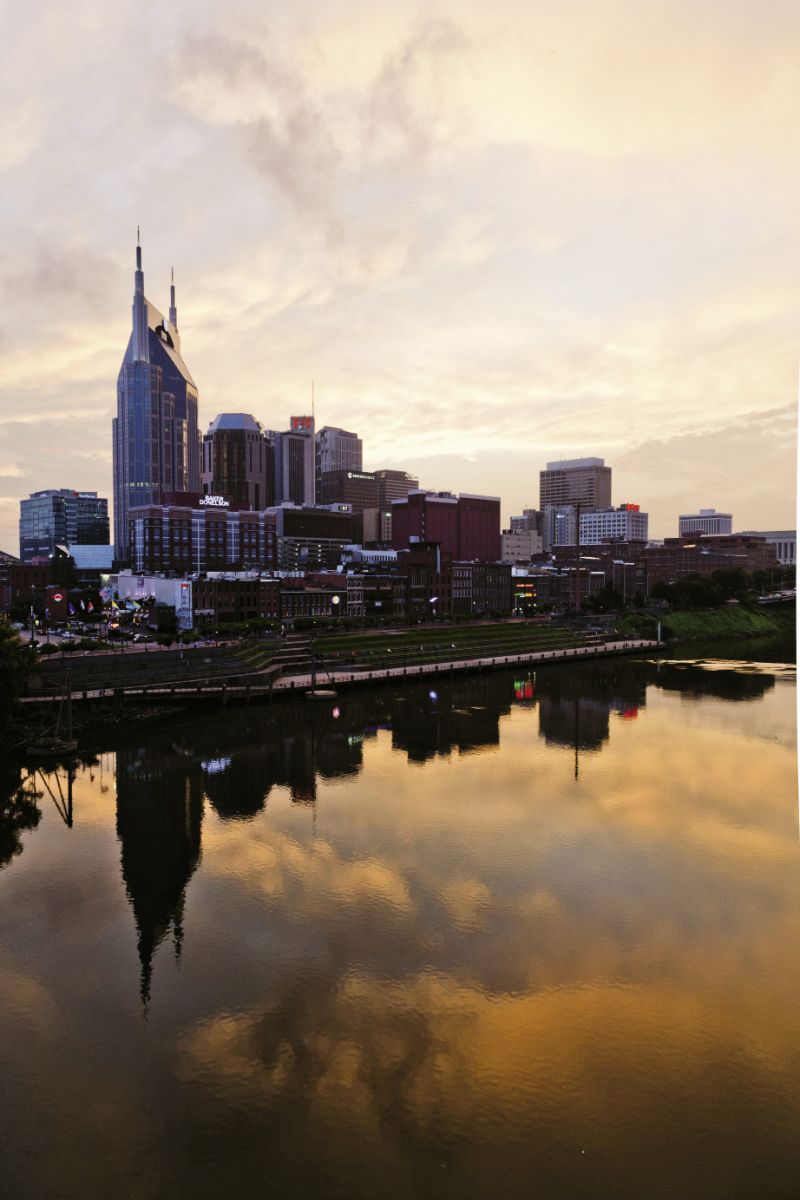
520,546
311,538
295,465
584,481
708,520
61,517
784,541
238,461
623,524
393,485
336,450
531,520
376,527
559,525
156,441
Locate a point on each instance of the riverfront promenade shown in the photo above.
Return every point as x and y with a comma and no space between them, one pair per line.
272,684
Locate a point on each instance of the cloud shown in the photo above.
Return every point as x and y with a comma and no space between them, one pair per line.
476,230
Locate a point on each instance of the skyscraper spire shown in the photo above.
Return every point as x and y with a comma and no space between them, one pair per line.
140,346
173,312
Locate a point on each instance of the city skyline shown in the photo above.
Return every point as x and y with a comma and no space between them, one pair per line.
483,268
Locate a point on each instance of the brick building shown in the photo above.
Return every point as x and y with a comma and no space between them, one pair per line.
466,527
482,589
183,539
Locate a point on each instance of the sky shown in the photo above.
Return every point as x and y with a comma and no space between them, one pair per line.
492,234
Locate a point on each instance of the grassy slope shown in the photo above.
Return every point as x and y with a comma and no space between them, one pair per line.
732,621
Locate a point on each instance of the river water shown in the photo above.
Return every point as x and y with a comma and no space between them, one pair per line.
523,935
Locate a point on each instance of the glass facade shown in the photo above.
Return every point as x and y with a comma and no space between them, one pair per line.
156,441
61,517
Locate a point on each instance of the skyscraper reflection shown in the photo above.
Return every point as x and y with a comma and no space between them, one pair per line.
159,819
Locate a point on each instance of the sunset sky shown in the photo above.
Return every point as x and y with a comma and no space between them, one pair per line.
493,234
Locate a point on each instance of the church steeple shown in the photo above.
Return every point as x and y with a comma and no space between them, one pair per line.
173,312
141,352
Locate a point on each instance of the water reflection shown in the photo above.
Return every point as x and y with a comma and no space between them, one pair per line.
159,818
19,810
420,959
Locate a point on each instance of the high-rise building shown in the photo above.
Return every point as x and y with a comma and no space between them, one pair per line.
295,463
584,481
336,450
708,520
238,461
558,525
393,485
61,517
359,489
156,441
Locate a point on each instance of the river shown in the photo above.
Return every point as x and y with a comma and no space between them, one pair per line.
526,935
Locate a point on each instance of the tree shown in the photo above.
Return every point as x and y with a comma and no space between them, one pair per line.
16,663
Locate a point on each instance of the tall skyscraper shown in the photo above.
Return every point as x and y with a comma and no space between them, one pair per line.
61,517
584,481
336,450
156,441
294,463
238,461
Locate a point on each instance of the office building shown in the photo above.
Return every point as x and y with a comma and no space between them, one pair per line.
559,525
584,481
238,461
192,537
359,489
336,450
623,524
60,517
708,520
312,537
294,453
784,541
394,485
156,441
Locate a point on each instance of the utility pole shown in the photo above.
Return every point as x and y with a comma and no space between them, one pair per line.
578,557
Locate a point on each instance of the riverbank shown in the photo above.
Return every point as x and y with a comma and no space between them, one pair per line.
157,702
733,621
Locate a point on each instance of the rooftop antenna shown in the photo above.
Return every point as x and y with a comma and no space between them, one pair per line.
312,399
173,312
